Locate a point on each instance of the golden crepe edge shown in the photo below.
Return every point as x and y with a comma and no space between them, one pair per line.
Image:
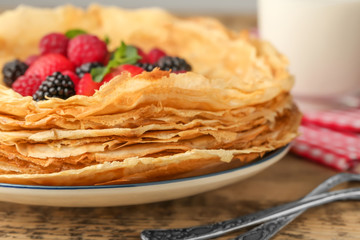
238,72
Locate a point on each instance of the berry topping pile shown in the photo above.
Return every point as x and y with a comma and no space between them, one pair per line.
80,63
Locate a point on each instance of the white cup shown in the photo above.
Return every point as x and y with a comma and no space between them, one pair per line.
321,38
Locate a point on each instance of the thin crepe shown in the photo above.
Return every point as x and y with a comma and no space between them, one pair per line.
233,107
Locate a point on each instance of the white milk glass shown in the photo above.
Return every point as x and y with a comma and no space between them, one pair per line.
321,39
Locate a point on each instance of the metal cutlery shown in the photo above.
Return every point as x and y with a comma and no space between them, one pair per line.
281,215
268,229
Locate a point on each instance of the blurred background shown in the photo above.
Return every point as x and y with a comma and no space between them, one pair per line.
185,6
234,14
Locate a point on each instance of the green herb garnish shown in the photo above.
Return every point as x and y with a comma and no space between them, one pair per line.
125,54
107,39
74,32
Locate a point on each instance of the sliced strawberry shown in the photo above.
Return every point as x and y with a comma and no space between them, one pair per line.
48,64
154,55
109,76
132,69
87,86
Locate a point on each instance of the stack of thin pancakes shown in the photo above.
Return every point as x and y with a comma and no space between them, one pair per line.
232,108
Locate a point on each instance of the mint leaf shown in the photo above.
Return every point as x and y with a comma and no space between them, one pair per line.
98,73
124,54
120,51
107,39
131,55
74,32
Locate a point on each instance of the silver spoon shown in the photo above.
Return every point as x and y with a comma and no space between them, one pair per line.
268,229
220,228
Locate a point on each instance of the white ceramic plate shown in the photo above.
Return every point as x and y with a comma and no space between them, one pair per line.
130,194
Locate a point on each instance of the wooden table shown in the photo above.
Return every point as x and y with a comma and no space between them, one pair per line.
287,180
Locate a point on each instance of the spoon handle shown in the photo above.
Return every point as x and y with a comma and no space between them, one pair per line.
267,230
221,228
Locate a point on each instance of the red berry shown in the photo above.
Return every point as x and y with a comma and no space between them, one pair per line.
86,48
31,59
87,86
132,69
109,76
72,76
27,85
114,72
54,43
48,64
154,55
142,54
107,58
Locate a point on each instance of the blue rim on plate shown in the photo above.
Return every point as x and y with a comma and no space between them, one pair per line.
263,159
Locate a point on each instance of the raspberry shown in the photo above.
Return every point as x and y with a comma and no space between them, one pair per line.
12,70
86,48
154,55
72,76
108,58
31,59
54,43
27,85
49,63
86,68
87,86
142,54
176,64
56,85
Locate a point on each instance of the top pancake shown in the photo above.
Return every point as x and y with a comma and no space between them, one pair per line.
230,70
233,107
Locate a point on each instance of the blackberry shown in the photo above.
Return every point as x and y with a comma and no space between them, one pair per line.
146,66
174,63
55,85
86,68
12,70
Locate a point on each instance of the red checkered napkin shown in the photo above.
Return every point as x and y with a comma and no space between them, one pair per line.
330,138
339,120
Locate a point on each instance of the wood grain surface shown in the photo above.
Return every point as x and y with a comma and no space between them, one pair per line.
287,180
